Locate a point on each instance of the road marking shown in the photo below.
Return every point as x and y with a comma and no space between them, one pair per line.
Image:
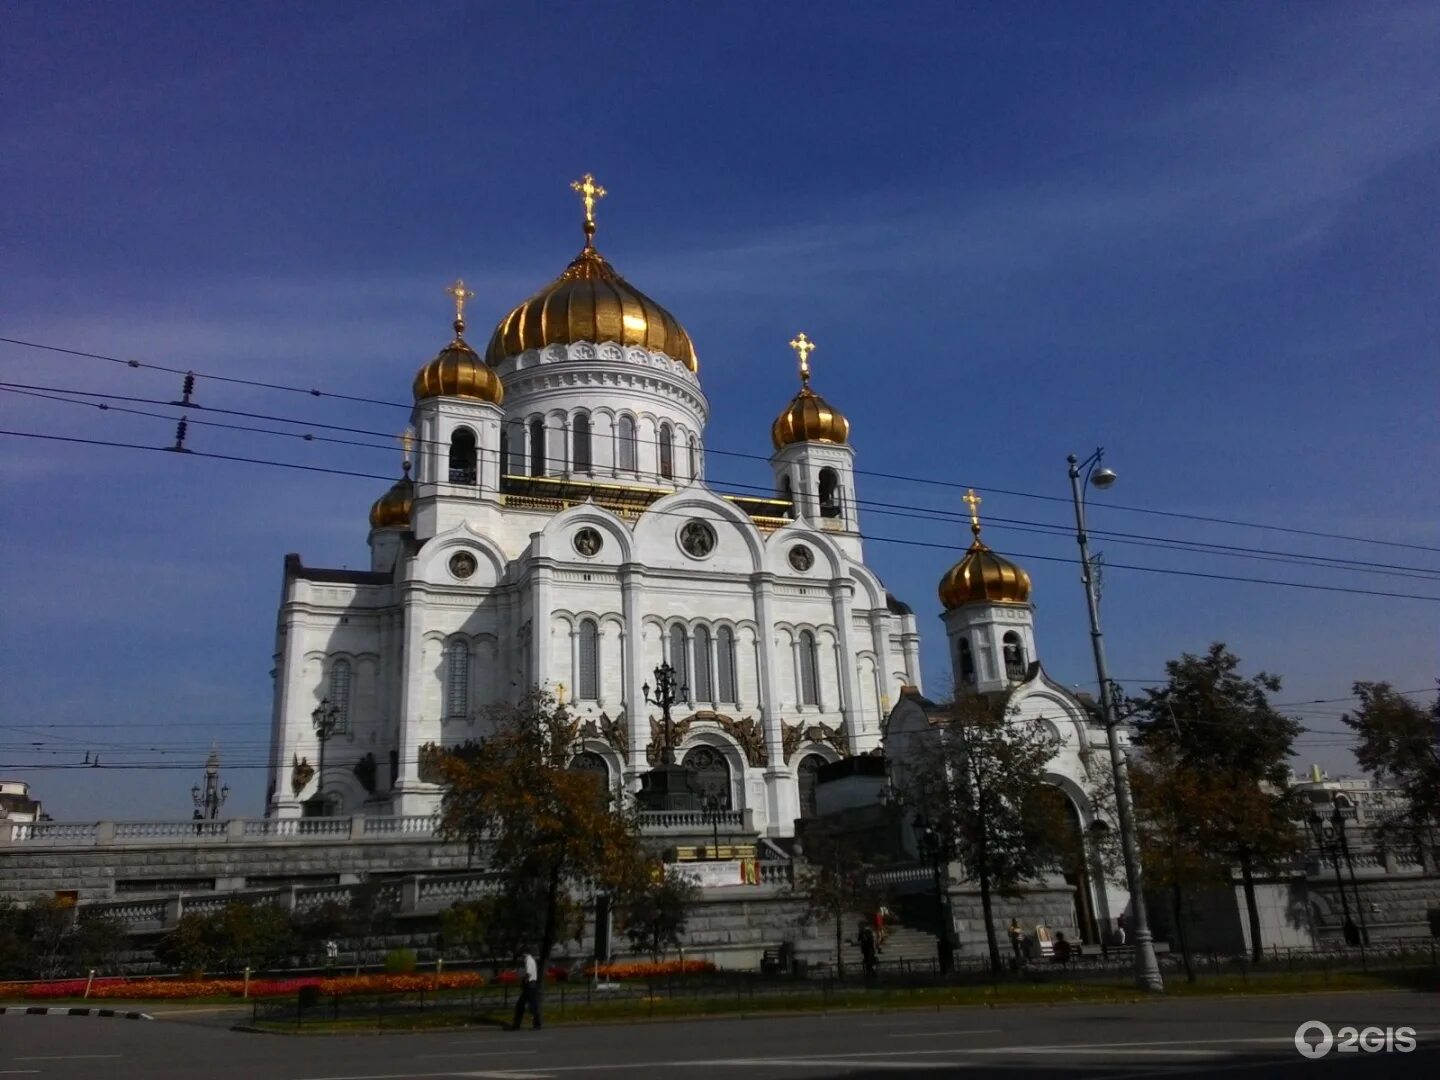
17,1072
944,1034
478,1053
63,1057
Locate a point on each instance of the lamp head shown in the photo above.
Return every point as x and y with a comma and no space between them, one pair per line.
195,792
1102,477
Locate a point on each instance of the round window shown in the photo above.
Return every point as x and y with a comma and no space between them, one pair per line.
462,564
801,557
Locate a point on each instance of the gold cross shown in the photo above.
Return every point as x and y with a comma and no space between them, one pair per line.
407,444
459,294
803,347
590,193
974,502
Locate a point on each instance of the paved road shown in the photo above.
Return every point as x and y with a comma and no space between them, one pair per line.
1253,1036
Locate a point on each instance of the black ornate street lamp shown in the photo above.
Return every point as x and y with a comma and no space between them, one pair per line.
326,720
209,799
935,851
1327,840
670,690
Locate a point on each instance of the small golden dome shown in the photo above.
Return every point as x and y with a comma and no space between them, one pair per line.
591,302
809,418
982,577
458,371
393,508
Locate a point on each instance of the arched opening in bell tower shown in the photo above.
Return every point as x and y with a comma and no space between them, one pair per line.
462,456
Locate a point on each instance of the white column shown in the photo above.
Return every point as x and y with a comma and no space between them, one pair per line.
632,583
291,706
412,704
910,642
541,575
841,591
878,643
782,804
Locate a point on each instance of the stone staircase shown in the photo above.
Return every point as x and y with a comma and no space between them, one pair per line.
905,949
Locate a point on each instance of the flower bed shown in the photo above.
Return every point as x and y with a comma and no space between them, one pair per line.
174,989
649,970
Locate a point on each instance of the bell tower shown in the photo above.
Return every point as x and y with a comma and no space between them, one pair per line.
814,463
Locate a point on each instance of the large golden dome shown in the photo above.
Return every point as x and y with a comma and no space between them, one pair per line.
393,508
809,418
591,302
458,371
982,577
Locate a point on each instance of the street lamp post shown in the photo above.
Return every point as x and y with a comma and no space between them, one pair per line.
932,847
1339,819
209,799
1147,969
1329,837
326,719
669,691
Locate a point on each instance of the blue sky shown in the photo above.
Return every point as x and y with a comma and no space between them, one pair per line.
1203,235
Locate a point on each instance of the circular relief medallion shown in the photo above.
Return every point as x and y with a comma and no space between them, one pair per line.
801,557
697,539
588,542
462,564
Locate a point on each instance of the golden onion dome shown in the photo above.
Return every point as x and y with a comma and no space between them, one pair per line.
458,371
392,509
809,418
591,302
982,577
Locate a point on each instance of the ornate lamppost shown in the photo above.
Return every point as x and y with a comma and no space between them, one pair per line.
668,786
209,799
1147,968
1330,840
934,851
669,691
326,720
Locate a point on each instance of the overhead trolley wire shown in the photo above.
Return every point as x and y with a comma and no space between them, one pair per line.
934,481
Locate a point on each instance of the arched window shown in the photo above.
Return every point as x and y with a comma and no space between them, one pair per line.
702,685
712,774
694,473
589,763
340,693
588,642
809,685
457,678
677,654
667,452
787,492
1014,655
967,663
505,450
462,456
829,493
805,777
580,436
725,657
537,447
625,435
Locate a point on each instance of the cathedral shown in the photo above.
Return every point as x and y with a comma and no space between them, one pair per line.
553,528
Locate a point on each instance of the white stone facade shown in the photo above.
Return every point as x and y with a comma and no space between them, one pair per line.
790,645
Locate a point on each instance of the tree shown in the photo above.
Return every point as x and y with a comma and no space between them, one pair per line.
833,880
497,928
238,936
978,782
548,831
1171,801
1211,721
654,915
1400,747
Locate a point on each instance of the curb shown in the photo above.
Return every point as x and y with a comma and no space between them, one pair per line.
42,1010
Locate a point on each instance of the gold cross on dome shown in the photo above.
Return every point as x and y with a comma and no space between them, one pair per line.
459,293
590,193
973,501
407,444
803,347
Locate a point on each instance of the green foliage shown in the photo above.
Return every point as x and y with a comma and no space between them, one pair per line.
833,882
654,915
547,830
400,962
498,928
1215,730
44,940
1400,747
236,937
978,781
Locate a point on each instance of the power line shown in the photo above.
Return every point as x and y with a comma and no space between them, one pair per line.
872,538
315,392
872,506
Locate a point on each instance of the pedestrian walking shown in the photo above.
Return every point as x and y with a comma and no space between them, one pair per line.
529,997
867,951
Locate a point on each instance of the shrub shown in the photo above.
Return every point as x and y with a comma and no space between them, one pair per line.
400,961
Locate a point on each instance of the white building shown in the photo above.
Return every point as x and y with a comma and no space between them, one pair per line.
556,530
990,622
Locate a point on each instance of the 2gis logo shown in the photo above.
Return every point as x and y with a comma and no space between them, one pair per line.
1315,1039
